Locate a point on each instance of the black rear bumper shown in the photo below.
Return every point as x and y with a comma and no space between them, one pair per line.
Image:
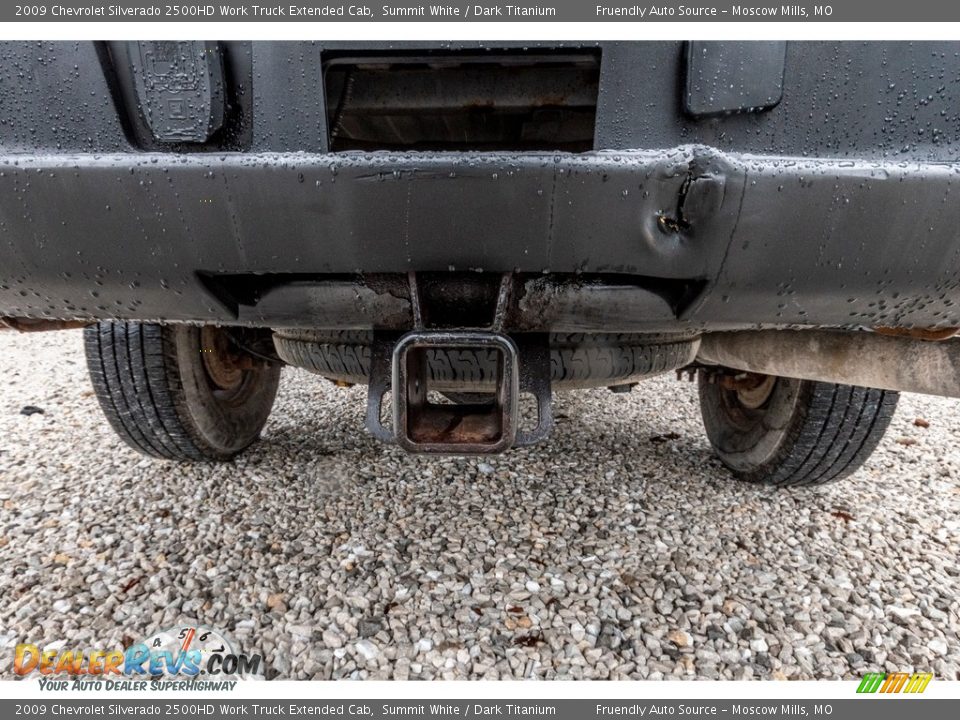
833,206
726,241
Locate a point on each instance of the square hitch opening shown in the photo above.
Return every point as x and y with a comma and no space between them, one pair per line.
424,426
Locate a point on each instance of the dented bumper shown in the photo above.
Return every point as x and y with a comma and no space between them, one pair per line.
688,237
708,185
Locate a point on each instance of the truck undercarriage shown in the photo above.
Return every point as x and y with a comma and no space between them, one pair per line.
461,225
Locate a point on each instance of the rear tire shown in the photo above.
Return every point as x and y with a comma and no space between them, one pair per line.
179,392
791,433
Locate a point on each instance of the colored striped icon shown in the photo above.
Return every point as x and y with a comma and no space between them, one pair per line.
894,682
918,682
870,683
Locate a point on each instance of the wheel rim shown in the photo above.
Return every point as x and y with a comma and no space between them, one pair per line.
754,390
222,366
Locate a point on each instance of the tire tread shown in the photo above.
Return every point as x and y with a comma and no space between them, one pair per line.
135,373
833,430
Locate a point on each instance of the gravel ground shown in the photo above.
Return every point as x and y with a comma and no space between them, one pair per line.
620,549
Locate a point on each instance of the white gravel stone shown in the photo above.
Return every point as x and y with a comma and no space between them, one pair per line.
367,649
938,646
903,613
589,556
332,639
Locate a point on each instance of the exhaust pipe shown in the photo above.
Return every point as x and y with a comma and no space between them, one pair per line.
851,358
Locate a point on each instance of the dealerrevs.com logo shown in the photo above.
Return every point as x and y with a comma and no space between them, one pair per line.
171,658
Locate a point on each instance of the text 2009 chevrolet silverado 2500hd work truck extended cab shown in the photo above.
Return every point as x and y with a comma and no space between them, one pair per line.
461,224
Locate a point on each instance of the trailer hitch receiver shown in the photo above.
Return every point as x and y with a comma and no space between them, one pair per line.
424,426
485,357
421,424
